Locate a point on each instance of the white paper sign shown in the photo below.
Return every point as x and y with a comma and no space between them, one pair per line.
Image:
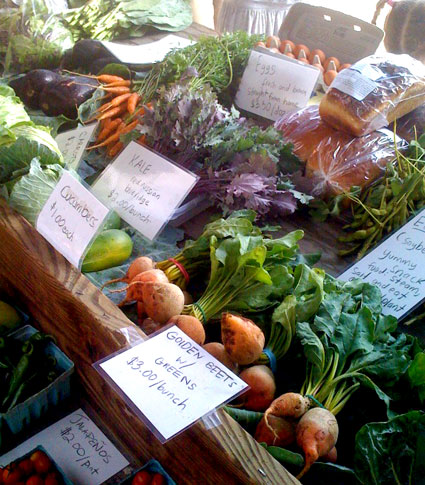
72,143
272,86
80,449
172,380
144,188
397,266
146,53
71,218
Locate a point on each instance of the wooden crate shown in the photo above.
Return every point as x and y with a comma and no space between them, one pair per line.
88,327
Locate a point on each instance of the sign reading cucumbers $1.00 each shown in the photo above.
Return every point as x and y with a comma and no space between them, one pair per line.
71,218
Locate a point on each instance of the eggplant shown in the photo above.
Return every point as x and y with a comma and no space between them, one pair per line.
99,64
29,87
64,97
85,51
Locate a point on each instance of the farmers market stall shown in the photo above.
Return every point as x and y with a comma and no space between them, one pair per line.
212,250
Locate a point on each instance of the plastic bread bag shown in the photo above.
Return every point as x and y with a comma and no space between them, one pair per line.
304,129
410,126
341,161
36,38
374,92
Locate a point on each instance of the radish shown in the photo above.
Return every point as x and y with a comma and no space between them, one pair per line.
281,434
263,387
139,265
162,300
317,434
242,339
191,326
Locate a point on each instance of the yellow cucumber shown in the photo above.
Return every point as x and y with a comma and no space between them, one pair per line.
110,248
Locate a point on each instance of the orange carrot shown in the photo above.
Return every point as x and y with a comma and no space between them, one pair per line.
108,129
124,82
111,113
117,89
132,103
122,129
115,102
142,139
108,78
114,149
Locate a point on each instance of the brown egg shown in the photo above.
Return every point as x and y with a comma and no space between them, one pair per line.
296,50
289,54
285,43
319,66
329,76
344,66
273,41
317,52
275,50
329,59
260,44
304,59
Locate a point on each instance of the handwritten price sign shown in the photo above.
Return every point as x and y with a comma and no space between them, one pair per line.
72,143
273,85
171,380
71,218
78,446
397,267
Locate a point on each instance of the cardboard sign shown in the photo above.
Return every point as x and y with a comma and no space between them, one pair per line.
143,188
80,449
397,267
72,143
146,53
274,85
171,380
71,218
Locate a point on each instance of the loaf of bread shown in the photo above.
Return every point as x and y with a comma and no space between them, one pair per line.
374,92
304,129
341,161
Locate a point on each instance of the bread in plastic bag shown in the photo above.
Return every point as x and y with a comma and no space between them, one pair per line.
412,125
304,129
373,92
341,161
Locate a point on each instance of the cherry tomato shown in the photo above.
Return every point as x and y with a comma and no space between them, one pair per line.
34,480
158,479
142,478
52,479
27,467
11,475
41,461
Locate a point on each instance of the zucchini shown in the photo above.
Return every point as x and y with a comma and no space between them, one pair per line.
110,248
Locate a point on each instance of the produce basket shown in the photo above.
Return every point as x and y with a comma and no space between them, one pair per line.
55,467
152,466
35,406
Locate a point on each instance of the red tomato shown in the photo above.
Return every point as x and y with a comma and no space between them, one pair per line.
26,466
34,480
1,476
11,475
158,479
142,478
52,479
41,461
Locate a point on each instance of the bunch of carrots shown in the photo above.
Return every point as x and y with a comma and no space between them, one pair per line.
118,115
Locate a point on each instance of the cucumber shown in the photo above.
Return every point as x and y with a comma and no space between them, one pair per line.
110,248
113,221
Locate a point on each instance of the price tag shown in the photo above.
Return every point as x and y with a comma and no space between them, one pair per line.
274,85
79,448
146,53
144,188
71,218
396,266
72,143
171,380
